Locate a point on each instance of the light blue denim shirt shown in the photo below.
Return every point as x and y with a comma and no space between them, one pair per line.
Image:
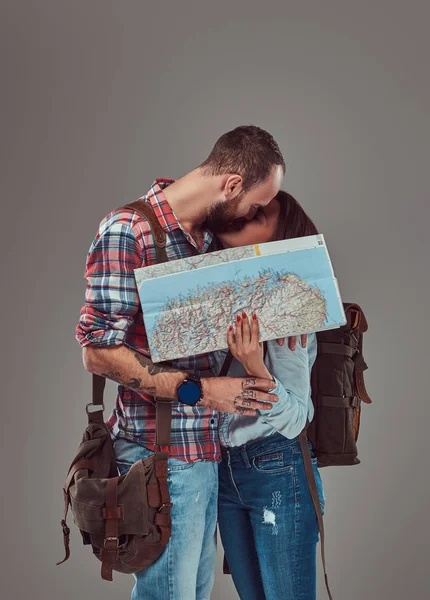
291,370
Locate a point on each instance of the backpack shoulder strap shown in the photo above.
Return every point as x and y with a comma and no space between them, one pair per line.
163,406
163,418
146,210
310,476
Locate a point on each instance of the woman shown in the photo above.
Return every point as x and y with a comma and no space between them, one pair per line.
267,521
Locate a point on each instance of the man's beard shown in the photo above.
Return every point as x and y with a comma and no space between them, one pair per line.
222,215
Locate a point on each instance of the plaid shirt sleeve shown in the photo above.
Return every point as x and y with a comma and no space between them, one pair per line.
111,297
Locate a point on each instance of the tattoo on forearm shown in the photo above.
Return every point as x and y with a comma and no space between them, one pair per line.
115,376
152,391
154,369
134,383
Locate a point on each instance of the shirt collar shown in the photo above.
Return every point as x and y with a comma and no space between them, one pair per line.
165,214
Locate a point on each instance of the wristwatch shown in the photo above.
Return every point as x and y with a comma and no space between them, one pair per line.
190,390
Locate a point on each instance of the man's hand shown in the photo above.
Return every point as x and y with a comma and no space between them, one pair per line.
243,395
292,341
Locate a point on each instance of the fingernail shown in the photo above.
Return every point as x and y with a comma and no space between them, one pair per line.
238,318
230,328
254,316
244,315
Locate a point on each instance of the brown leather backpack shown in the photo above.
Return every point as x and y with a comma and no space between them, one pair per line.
337,385
337,391
125,518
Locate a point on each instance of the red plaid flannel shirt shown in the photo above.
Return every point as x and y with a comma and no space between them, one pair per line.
112,315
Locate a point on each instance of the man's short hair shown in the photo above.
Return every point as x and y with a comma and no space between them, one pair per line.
248,151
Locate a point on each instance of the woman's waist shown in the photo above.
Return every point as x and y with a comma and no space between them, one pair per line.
253,448
236,430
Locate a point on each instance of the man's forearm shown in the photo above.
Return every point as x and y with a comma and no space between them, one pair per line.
132,369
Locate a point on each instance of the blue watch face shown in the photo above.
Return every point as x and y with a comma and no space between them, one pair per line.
189,392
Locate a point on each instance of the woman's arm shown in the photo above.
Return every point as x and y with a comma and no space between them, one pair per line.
290,370
243,342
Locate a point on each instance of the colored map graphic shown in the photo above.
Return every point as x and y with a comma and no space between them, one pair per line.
218,257
188,304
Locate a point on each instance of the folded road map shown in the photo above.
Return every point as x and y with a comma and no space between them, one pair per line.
188,304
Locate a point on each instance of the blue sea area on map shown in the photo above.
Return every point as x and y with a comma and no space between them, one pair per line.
311,264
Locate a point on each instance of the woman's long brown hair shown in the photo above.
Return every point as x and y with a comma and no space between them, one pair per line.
293,221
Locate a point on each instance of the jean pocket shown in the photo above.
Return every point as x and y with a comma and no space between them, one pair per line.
273,462
175,464
127,453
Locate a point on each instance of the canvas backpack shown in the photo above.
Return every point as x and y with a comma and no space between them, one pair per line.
338,390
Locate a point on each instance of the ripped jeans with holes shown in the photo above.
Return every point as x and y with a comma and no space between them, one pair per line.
267,520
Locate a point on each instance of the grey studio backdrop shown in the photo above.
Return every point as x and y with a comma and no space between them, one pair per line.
101,97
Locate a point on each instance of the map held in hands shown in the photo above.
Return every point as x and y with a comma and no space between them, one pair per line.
188,304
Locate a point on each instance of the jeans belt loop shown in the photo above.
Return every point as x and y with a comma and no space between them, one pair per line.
245,457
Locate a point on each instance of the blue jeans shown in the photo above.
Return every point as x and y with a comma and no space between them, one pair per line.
185,569
267,520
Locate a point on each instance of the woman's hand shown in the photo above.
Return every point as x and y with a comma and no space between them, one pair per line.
245,346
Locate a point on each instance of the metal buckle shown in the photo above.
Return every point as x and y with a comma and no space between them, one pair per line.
169,504
111,538
96,407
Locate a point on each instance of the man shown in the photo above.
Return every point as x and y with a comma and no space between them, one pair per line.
243,172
